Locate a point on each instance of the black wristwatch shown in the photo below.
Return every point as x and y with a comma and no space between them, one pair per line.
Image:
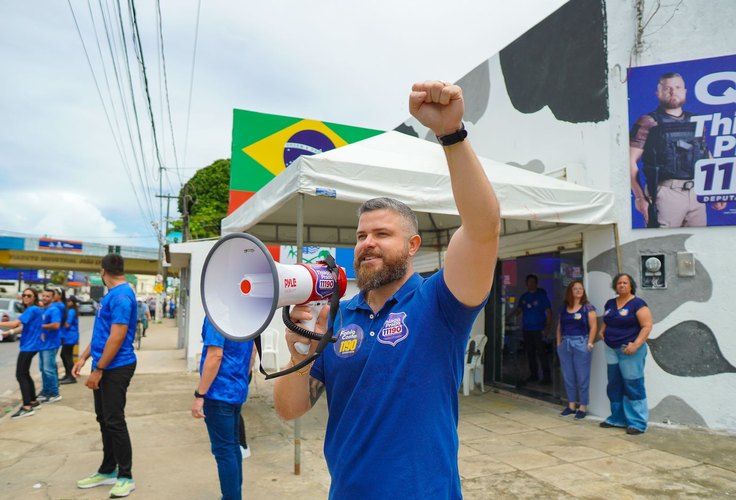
197,394
457,136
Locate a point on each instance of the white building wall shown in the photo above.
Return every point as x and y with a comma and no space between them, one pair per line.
599,152
696,29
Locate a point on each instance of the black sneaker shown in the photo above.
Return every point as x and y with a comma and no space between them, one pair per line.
632,431
67,380
23,412
606,425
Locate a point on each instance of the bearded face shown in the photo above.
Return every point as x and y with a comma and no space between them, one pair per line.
375,267
671,93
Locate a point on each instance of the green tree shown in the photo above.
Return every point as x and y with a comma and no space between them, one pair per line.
206,195
58,277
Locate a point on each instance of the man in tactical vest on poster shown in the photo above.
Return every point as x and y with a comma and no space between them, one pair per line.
665,141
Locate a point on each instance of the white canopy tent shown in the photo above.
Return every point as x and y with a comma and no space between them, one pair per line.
320,194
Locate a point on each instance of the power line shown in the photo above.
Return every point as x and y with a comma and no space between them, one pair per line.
191,81
166,88
99,94
114,60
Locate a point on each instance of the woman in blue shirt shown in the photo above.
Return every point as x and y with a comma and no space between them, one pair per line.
575,336
627,322
29,323
69,338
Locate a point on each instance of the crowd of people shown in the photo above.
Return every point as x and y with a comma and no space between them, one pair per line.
48,324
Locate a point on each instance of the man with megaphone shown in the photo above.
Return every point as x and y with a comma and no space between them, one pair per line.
393,374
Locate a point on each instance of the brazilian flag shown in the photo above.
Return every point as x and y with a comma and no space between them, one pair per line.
265,145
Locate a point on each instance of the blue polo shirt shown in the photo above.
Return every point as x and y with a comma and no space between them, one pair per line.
118,307
622,325
533,309
575,324
51,314
391,382
231,383
30,339
70,336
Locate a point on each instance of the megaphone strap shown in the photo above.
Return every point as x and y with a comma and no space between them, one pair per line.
323,339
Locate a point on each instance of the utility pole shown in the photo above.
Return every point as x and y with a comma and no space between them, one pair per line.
168,207
165,225
185,215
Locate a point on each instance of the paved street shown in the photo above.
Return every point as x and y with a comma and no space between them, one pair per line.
511,447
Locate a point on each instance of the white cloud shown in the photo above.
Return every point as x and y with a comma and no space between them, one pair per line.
62,215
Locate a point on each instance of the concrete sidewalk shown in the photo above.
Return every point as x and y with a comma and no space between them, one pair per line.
511,447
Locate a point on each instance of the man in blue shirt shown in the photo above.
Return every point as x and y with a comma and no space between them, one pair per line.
51,341
113,365
536,316
219,397
393,375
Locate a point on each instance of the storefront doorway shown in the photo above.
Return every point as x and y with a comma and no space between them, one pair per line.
510,365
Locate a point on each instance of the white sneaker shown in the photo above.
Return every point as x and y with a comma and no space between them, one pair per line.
52,399
245,452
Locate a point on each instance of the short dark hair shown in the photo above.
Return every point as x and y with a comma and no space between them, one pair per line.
667,76
532,277
396,206
113,264
631,280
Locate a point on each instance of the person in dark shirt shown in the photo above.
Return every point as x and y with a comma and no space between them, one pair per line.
666,143
536,314
627,322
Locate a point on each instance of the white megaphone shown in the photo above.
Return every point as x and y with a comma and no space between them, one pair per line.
242,286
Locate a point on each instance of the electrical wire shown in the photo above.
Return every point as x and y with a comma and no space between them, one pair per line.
102,101
166,89
191,82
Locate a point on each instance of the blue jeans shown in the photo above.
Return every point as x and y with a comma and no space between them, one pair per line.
222,420
626,390
575,364
49,373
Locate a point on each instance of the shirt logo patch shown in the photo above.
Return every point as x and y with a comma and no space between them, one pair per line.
348,341
578,316
394,330
624,312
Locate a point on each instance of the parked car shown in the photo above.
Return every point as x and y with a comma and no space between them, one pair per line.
86,307
10,309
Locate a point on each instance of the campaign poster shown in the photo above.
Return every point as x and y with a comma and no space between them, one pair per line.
682,143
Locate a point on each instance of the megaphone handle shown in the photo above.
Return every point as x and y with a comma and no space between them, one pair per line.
315,309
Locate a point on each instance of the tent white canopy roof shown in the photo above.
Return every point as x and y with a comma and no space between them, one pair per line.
334,184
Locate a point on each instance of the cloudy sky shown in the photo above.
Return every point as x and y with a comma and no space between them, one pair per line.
65,173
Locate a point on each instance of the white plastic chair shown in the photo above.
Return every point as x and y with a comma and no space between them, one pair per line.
475,355
270,347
